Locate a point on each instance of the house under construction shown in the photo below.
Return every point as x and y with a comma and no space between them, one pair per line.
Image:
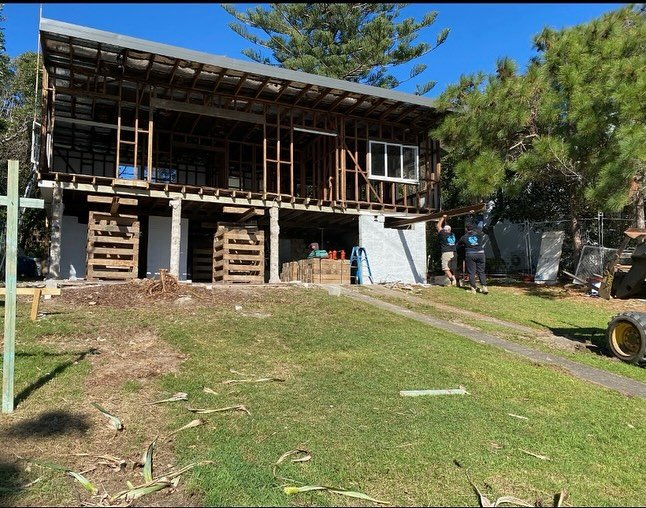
154,156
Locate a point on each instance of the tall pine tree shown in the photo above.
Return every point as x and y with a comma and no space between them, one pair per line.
565,138
359,42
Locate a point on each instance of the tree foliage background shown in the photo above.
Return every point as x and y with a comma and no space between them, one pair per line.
17,102
565,138
359,42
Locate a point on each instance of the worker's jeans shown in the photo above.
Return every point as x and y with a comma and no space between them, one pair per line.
476,264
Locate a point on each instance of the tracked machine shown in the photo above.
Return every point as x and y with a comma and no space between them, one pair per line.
626,332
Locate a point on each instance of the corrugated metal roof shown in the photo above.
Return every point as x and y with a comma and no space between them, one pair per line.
113,39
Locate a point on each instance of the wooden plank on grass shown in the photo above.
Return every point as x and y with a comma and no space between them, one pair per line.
35,304
31,291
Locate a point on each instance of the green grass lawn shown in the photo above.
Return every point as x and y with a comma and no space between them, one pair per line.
344,363
533,306
574,319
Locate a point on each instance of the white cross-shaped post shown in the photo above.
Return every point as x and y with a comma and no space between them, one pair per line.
13,202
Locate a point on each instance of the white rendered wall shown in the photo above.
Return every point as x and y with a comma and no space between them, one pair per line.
158,254
393,254
73,246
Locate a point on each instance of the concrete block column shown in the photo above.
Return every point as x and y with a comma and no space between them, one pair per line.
175,236
56,232
274,232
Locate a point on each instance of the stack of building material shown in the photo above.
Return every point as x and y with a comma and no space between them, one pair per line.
112,246
238,254
317,270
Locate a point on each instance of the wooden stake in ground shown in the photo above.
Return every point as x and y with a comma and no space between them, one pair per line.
13,202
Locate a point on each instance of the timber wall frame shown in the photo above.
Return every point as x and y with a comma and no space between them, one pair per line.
120,116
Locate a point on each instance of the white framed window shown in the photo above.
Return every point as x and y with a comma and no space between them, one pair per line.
393,162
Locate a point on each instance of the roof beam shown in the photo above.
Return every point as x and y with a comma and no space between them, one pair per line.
261,87
321,97
374,107
198,71
150,66
243,78
393,222
302,94
360,101
405,113
281,92
338,101
207,111
219,80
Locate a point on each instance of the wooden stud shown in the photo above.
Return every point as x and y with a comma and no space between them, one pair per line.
118,155
149,162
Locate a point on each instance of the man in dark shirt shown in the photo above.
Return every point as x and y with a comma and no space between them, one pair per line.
447,248
473,241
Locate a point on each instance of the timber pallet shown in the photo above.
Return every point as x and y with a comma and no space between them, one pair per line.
317,271
112,246
238,254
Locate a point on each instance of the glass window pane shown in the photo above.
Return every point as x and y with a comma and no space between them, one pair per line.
377,163
394,161
410,163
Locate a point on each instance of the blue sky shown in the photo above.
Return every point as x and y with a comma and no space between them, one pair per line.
480,32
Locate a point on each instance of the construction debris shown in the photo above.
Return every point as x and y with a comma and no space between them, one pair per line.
400,286
166,285
114,421
307,456
115,463
176,397
152,483
239,407
290,490
194,423
259,380
538,456
87,485
559,498
451,391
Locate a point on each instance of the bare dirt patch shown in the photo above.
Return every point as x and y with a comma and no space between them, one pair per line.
577,293
139,355
125,363
137,294
70,432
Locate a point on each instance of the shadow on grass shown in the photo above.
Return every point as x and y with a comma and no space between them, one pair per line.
548,292
11,481
24,394
52,312
63,353
593,338
48,424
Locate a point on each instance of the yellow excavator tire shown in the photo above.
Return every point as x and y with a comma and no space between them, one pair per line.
626,337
